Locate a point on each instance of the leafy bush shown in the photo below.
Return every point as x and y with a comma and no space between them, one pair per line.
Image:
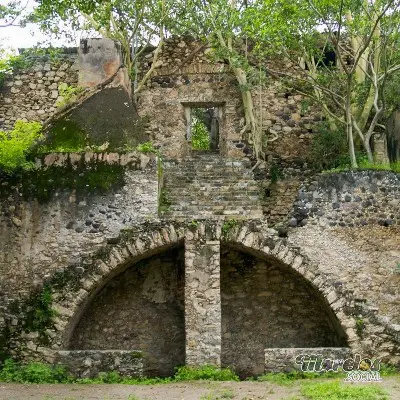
15,145
206,372
147,147
34,372
329,148
10,64
200,133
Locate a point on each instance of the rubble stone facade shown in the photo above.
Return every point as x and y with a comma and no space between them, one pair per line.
130,286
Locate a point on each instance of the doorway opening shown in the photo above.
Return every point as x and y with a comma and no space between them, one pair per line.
203,127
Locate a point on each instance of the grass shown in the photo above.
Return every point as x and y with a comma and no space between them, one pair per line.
364,164
43,373
336,390
289,378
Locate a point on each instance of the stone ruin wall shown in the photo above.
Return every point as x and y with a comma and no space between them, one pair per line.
187,74
347,227
32,94
41,236
42,239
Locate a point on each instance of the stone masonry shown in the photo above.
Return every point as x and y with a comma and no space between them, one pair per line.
202,300
206,185
147,265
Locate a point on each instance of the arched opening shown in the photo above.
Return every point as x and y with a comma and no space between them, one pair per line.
142,308
266,304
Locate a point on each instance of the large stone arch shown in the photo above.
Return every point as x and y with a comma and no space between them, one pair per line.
253,237
267,305
132,247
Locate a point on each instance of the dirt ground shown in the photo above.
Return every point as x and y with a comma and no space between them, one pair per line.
174,391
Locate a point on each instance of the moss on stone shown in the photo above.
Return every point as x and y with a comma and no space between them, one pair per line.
65,136
41,184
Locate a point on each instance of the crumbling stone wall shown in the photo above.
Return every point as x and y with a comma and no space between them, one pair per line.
32,94
40,235
265,305
187,73
142,309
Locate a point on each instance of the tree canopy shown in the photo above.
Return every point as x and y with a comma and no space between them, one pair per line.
345,53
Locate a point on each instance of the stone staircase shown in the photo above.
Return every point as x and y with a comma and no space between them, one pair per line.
206,185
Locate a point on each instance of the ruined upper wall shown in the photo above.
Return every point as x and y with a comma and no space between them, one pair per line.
187,73
32,94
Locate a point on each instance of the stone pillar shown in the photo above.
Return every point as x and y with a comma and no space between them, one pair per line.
99,60
202,301
380,149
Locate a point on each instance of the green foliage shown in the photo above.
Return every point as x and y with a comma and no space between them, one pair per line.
388,370
288,378
34,372
360,326
12,63
164,201
69,94
40,314
339,391
228,225
364,164
44,373
42,184
16,145
329,148
275,173
200,133
194,224
147,147
397,269
206,372
65,136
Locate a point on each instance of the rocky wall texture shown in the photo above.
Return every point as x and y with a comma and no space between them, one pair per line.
188,74
135,310
349,199
265,305
90,363
349,224
343,272
202,301
45,226
32,94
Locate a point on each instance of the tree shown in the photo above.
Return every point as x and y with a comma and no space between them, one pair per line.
135,24
221,24
11,14
364,38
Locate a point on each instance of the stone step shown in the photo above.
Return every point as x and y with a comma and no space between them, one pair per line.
205,185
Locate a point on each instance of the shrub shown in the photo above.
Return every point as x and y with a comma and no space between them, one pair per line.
15,145
206,372
147,147
34,372
329,148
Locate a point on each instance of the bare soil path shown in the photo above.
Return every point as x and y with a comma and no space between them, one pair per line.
173,391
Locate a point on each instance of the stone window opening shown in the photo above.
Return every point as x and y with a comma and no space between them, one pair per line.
203,127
